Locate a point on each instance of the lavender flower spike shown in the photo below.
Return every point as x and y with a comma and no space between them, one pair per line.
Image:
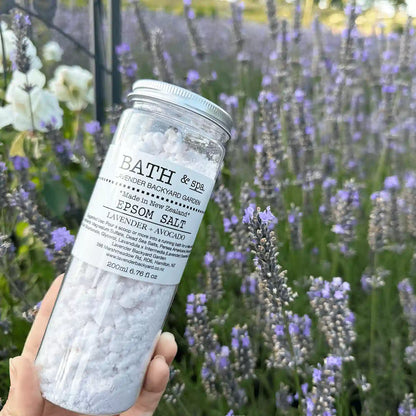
263,245
407,406
408,302
329,301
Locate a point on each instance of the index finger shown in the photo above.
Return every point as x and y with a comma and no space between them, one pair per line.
35,336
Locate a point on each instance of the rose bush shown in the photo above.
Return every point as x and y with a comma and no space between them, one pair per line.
30,107
74,86
52,51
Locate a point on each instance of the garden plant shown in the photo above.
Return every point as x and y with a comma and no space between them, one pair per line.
298,298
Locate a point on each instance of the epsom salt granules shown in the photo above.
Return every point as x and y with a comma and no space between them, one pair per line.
132,248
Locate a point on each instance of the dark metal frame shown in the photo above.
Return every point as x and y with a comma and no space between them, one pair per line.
107,78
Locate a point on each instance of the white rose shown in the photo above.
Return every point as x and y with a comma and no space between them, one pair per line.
52,51
9,39
42,105
74,86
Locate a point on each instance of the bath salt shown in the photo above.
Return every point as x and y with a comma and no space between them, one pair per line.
131,249
104,328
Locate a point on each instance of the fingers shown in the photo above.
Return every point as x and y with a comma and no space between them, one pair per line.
156,378
39,325
166,346
24,398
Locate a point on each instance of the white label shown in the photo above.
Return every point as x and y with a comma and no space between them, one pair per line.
143,216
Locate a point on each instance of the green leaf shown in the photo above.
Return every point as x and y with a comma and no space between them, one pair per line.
56,197
21,226
84,186
17,148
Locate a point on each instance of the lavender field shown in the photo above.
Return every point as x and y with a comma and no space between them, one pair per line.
298,298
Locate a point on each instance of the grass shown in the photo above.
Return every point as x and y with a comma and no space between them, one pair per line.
254,11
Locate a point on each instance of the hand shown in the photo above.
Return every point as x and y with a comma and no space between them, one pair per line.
25,398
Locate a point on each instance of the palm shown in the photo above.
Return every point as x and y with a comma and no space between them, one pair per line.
25,395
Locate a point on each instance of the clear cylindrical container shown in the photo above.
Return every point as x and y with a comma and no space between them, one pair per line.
132,248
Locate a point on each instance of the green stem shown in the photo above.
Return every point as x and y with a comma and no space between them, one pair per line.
335,263
373,312
76,123
185,410
292,352
32,119
3,48
380,167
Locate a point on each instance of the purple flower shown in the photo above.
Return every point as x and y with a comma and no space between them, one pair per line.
93,127
384,195
267,80
189,309
129,69
308,324
338,294
61,237
191,14
64,148
391,89
235,343
205,372
230,413
279,330
246,341
316,375
122,49
187,2
20,162
392,182
203,298
350,318
3,167
24,194
232,101
227,224
225,351
299,95
48,254
338,229
333,361
328,182
267,96
192,76
404,286
208,258
248,214
235,255
410,179
293,329
190,298
258,148
266,215
310,405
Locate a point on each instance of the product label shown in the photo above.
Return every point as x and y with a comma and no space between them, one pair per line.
143,216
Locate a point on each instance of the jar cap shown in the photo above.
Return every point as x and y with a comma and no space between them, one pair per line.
184,98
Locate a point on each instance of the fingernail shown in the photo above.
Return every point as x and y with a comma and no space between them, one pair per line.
160,357
169,335
13,371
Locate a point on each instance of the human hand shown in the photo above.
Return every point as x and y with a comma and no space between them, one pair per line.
25,398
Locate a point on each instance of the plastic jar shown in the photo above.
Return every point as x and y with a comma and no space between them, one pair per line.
132,248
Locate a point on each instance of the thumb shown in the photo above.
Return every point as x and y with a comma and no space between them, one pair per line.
24,398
